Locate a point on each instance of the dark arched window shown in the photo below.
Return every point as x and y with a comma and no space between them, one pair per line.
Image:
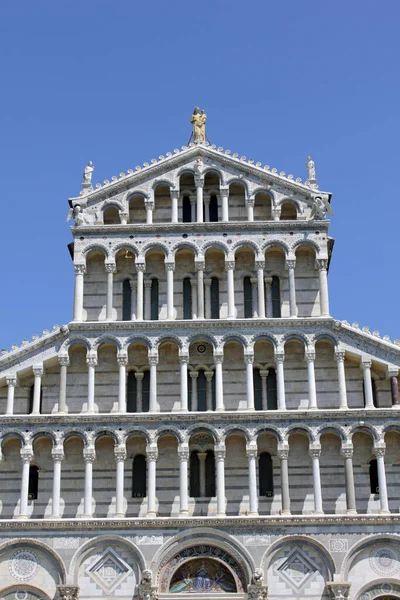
30,405
201,391
194,475
146,391
213,209
139,476
373,476
186,210
187,298
33,485
248,300
131,393
214,298
154,300
265,475
126,300
210,474
276,297
374,394
272,390
257,382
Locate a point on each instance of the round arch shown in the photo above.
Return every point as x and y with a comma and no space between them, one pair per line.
39,546
369,540
10,592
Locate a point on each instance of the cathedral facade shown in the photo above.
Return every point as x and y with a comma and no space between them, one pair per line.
203,427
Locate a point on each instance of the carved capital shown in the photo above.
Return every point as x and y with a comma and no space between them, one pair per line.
251,450
339,590
63,360
67,592
91,360
249,358
37,370
140,266
276,212
199,181
139,376
366,363
283,451
147,283
11,380
250,202
194,374
314,450
309,356
184,359
257,592
146,591
152,452
260,264
279,357
290,264
340,355
183,452
26,454
110,267
209,375
153,360
199,265
89,455
122,360
57,453
218,358
379,449
219,452
321,264
392,371
149,204
79,269
268,281
347,450
169,266
120,452
229,265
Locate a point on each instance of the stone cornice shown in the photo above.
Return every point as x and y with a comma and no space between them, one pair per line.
232,226
143,173
174,523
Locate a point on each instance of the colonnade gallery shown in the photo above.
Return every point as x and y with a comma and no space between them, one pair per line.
202,425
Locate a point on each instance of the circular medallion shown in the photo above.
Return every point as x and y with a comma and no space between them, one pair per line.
338,545
201,348
23,565
21,595
384,560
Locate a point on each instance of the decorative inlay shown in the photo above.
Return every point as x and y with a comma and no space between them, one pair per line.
257,540
150,540
109,571
378,590
23,565
339,545
384,560
297,568
21,595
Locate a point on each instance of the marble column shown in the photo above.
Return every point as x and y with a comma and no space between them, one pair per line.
268,294
153,361
312,392
89,456
78,293
230,269
11,383
264,375
170,267
260,288
209,377
132,284
184,360
199,182
219,386
393,373
151,456
57,454
276,213
149,204
62,394
379,451
219,453
225,203
249,361
322,266
122,361
120,458
193,286
110,269
254,308
26,457
193,207
251,452
339,590
207,209
194,375
37,386
199,265
183,455
147,299
250,209
139,395
315,453
366,367
340,358
91,361
140,268
283,454
347,453
174,205
202,467
280,380
207,291
290,265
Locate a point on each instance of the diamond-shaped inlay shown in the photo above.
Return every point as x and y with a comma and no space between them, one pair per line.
109,571
297,568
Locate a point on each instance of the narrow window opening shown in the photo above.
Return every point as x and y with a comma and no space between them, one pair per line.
187,298
139,476
186,210
146,391
214,298
272,390
126,300
265,475
248,299
257,382
373,476
33,485
131,393
213,209
276,297
154,300
201,392
210,474
194,475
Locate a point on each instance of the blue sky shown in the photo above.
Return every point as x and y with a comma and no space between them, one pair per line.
116,82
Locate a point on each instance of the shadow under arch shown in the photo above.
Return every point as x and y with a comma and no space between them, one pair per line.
361,545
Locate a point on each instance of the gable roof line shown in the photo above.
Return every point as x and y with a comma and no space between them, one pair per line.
117,185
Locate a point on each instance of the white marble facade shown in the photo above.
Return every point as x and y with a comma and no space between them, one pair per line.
203,425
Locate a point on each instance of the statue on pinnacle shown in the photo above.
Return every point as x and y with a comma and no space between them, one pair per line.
198,121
